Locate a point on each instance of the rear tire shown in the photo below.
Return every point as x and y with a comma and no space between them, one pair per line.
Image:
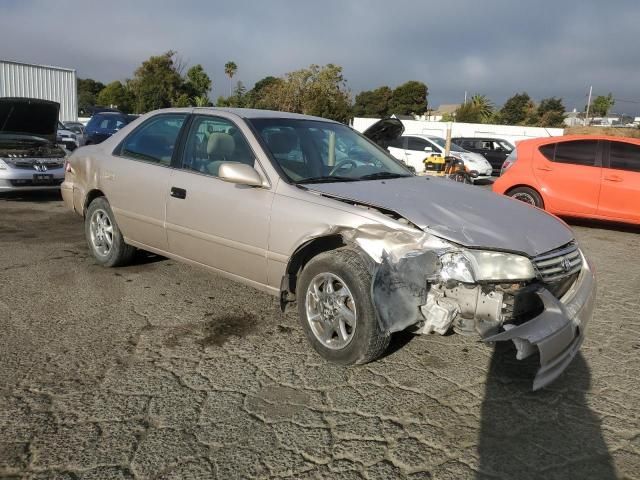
329,283
527,195
104,237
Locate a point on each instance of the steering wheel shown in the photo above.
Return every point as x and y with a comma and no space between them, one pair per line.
342,164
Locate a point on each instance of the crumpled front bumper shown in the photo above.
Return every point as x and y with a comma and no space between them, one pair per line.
558,332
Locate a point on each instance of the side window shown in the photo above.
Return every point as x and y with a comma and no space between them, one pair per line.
624,156
397,142
212,141
575,152
154,140
417,144
548,151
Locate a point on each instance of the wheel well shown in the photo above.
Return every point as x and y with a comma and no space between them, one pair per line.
300,258
91,196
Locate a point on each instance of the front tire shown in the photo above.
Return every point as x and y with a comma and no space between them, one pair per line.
335,308
104,237
527,195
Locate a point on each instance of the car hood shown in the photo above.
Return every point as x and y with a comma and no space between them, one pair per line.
463,214
29,116
384,131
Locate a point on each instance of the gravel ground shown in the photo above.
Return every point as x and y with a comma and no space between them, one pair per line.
161,370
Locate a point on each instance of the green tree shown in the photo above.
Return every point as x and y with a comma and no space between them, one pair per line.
478,109
197,82
88,90
230,69
468,113
550,113
255,96
516,109
483,106
601,105
157,83
373,103
409,98
316,90
117,95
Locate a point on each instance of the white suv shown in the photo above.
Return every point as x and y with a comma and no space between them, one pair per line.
413,148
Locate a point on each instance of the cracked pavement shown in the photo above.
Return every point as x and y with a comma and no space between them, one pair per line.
162,370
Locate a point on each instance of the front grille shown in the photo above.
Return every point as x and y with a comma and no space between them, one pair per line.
556,265
29,164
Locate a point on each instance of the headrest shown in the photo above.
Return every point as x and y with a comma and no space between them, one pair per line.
282,142
220,144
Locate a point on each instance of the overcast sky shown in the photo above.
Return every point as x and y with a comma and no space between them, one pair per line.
494,47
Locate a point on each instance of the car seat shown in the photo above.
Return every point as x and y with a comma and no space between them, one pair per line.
220,149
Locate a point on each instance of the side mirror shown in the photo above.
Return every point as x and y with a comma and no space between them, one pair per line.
428,149
240,173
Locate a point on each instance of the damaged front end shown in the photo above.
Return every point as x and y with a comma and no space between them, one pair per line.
542,304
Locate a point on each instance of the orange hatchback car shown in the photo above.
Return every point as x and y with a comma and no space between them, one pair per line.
576,176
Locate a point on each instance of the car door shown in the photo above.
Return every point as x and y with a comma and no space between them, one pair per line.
569,175
210,221
620,193
397,148
417,150
494,153
136,176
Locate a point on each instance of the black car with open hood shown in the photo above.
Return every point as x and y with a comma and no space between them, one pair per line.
384,131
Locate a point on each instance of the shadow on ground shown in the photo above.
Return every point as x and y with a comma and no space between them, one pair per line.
603,224
550,434
44,196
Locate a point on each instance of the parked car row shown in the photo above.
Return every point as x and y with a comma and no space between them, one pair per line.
413,149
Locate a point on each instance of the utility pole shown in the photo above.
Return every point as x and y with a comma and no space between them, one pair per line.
586,117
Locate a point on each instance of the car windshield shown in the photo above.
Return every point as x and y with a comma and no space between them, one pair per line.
441,142
313,151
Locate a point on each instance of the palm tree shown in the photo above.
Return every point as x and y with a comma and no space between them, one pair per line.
230,69
482,105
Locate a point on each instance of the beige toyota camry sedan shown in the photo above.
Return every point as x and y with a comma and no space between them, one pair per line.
323,217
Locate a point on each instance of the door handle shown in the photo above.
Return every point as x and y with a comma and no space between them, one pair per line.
613,178
545,169
180,193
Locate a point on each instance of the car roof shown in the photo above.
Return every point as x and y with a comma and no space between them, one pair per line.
567,138
482,139
422,135
254,113
245,113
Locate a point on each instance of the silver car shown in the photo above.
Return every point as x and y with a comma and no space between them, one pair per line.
30,158
313,212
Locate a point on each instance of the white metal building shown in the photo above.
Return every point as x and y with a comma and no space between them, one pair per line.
40,81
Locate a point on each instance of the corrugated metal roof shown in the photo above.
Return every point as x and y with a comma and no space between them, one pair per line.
39,81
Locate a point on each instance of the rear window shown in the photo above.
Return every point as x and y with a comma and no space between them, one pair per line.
575,152
106,123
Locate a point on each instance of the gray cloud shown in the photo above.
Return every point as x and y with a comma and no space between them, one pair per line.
495,47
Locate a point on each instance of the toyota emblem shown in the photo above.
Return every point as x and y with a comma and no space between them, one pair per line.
566,264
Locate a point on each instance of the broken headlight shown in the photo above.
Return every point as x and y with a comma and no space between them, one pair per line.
470,266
